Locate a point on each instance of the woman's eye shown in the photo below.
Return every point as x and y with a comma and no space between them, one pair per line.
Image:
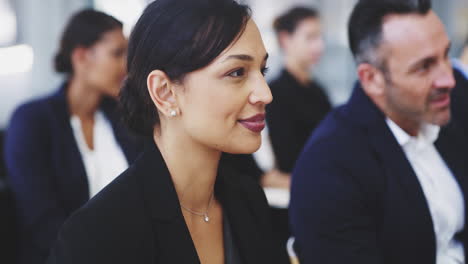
237,73
265,70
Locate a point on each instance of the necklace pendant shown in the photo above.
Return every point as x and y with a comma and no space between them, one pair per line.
206,218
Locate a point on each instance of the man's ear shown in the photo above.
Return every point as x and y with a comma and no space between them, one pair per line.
160,88
372,79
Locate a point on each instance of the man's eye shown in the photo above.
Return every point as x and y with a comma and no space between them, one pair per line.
425,66
237,73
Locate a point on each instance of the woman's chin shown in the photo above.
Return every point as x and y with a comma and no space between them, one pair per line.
246,148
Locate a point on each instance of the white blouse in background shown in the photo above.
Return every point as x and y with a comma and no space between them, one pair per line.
107,160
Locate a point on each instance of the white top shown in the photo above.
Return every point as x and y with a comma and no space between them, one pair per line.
107,160
277,197
457,64
442,192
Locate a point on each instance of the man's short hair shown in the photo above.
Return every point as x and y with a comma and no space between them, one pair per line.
365,25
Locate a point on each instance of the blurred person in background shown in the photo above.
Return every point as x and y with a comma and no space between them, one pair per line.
461,63
384,177
62,149
300,101
196,86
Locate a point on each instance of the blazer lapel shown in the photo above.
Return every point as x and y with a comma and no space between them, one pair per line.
243,221
70,157
395,164
452,146
171,234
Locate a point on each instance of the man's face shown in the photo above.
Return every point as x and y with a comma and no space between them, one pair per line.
419,75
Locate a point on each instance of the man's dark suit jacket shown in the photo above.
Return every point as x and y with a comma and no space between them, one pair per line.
355,197
137,219
46,172
460,100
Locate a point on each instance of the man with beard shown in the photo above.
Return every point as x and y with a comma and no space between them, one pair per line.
384,177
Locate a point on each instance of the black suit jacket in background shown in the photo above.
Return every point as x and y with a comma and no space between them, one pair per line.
137,219
355,197
292,116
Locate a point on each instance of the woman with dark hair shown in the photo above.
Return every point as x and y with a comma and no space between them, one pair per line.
63,149
196,86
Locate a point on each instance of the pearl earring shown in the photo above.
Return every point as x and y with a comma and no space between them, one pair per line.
173,113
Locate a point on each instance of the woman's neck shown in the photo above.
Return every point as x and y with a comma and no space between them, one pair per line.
83,101
298,71
193,168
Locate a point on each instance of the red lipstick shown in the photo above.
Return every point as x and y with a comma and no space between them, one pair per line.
255,123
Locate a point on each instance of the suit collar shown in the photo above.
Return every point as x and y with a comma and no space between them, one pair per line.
158,189
108,106
244,220
362,111
451,143
172,233
427,135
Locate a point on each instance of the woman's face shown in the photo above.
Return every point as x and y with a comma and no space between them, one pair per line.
305,44
106,64
222,105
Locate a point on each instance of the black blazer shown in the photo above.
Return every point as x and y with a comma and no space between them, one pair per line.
292,116
46,171
355,197
460,99
137,219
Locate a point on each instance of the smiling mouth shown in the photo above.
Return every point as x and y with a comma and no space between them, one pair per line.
255,123
442,101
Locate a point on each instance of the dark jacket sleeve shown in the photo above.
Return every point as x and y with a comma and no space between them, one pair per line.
29,165
459,98
79,241
330,215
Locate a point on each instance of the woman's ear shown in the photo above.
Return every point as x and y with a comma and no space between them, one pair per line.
160,89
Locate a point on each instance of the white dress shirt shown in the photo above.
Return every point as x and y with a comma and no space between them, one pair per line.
442,192
463,68
107,160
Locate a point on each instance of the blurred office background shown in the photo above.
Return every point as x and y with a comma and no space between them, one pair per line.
29,32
